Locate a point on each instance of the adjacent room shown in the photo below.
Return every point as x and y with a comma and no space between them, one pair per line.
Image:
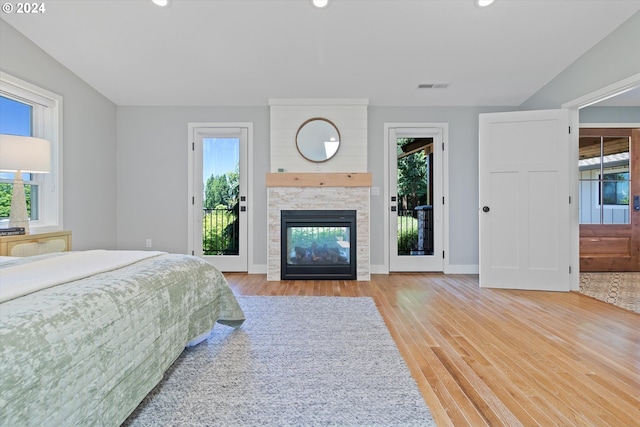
320,212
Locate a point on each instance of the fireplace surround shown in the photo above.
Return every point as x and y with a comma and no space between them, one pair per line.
318,244
295,191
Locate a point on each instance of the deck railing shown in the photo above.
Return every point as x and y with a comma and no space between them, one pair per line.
415,231
220,231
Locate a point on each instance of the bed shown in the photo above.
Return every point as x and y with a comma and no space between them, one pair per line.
85,336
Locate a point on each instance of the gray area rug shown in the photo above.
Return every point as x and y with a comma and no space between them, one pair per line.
296,361
619,289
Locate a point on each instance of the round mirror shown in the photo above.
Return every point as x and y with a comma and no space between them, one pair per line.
318,140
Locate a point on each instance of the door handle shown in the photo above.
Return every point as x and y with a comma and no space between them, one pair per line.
485,209
636,203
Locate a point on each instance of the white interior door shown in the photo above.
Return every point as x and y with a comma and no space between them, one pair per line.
525,200
219,203
416,214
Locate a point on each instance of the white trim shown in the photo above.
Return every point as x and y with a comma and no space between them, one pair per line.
247,175
379,269
448,269
444,129
574,106
606,92
250,207
190,186
257,268
462,269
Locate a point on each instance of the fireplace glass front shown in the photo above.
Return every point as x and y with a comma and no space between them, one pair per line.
318,244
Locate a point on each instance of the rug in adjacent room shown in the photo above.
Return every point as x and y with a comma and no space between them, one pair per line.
619,289
296,361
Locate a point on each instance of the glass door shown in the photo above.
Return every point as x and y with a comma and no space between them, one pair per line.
416,199
608,171
220,196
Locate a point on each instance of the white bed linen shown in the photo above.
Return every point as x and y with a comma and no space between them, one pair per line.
20,280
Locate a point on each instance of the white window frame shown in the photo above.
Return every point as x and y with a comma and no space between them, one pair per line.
46,124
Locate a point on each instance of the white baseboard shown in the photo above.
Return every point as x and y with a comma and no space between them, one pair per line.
258,269
448,269
462,269
378,269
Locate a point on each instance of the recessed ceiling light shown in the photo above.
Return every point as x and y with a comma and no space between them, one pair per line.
483,3
161,3
320,4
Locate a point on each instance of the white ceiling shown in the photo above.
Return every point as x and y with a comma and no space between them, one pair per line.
243,52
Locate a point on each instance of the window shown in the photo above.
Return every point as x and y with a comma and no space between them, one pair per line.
16,119
28,110
615,189
604,179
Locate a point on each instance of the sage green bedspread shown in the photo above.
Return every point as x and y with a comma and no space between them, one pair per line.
87,352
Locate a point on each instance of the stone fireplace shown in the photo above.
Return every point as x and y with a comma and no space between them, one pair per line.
297,192
299,183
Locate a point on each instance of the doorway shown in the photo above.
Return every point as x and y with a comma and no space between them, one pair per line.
219,186
609,172
622,87
415,215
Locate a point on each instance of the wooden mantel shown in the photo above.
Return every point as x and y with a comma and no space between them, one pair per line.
300,179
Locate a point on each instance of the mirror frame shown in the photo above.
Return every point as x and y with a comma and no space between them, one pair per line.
314,119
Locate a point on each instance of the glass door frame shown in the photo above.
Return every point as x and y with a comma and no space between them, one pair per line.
439,131
196,132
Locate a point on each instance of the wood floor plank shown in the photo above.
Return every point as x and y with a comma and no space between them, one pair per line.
498,357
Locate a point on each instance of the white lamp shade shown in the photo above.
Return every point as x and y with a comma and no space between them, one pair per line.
25,154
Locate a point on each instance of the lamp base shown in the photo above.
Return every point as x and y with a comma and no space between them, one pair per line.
18,216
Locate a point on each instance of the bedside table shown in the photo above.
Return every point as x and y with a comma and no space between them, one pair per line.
35,243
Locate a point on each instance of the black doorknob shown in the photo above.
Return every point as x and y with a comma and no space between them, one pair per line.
486,209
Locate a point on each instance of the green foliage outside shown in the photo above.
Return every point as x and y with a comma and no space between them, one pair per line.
413,190
221,190
220,221
615,188
218,227
407,234
5,199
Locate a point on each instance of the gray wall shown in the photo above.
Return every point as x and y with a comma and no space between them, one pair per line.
615,58
152,174
463,174
610,115
89,135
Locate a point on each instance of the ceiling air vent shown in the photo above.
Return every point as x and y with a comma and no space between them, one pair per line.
433,85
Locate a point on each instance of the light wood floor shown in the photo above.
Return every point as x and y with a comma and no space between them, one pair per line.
484,357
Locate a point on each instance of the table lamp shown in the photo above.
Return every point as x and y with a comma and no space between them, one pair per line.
22,154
